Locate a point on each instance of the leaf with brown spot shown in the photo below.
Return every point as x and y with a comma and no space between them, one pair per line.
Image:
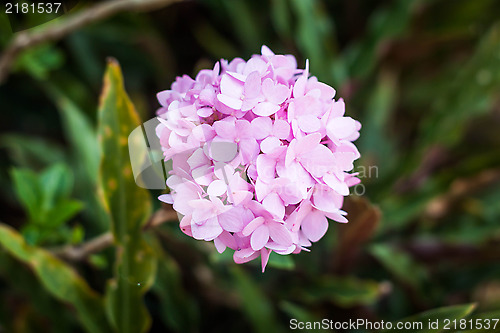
129,207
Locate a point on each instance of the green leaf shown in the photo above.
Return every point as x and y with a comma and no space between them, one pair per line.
295,311
213,41
470,92
385,24
280,14
99,261
62,212
39,61
21,281
178,308
345,291
77,234
31,233
256,306
128,205
135,273
44,197
60,280
85,153
79,132
5,28
380,150
280,261
30,151
29,191
440,314
56,183
400,264
315,34
481,322
245,23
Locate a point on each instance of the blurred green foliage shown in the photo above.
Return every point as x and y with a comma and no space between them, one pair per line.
45,197
423,78
58,279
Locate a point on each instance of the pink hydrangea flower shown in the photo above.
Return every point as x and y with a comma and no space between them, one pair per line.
261,155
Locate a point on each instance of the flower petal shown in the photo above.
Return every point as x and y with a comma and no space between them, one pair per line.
244,129
335,184
252,225
273,203
249,149
241,197
264,257
228,240
217,188
262,189
307,143
266,167
299,88
203,132
252,85
337,216
309,123
259,237
327,92
314,225
185,225
166,198
269,144
281,129
225,128
205,112
280,94
318,160
341,127
262,127
275,93
244,255
280,234
230,86
197,159
345,160
265,109
207,231
266,51
326,199
219,245
231,220
290,193
231,102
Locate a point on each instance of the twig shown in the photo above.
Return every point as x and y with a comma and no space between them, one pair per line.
95,245
81,252
67,24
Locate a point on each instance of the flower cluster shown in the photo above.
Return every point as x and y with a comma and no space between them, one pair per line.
260,153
